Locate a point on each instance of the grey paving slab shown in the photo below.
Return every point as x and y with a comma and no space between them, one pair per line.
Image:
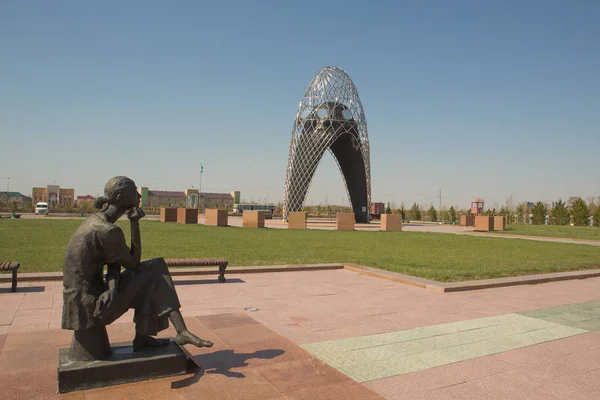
364,372
379,356
402,365
585,316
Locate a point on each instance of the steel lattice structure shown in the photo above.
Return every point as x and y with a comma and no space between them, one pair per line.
330,117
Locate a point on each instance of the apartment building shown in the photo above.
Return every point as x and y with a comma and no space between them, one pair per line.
54,195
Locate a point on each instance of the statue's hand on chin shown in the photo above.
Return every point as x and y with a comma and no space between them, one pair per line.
135,214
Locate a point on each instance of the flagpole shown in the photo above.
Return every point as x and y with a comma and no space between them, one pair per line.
200,190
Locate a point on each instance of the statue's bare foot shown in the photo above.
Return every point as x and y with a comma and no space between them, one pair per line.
186,337
142,341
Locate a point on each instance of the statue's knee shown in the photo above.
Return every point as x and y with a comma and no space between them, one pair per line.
155,262
158,265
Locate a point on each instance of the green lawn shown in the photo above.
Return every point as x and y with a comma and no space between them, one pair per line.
40,245
573,232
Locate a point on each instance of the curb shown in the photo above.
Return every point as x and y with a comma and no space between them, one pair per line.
445,287
551,239
442,287
183,271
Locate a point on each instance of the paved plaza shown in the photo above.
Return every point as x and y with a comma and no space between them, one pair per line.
338,334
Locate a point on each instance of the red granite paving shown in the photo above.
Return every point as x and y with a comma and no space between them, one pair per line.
247,361
562,369
305,307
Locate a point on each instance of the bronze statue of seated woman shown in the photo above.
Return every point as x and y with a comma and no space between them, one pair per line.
92,302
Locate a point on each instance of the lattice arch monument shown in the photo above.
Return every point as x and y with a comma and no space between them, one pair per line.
330,117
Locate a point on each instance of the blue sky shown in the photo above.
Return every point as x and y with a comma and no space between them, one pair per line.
476,98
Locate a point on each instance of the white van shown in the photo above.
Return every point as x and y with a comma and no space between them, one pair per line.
41,208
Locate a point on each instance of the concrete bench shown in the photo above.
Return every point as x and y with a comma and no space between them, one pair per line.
12,266
199,262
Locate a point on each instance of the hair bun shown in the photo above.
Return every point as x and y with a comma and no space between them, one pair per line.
100,201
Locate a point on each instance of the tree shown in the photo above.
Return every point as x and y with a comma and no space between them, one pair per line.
508,204
415,212
522,213
505,213
559,215
571,201
592,204
580,212
402,212
597,217
510,210
388,209
452,213
490,213
432,213
539,213
279,208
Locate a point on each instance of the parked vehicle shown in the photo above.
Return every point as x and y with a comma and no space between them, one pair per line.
41,208
238,209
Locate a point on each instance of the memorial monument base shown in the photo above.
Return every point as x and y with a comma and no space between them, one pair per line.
122,366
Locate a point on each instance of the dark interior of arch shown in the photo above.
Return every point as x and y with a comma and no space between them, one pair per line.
349,157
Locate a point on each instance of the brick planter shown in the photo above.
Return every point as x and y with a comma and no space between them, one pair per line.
168,214
297,220
345,221
187,216
500,223
484,224
467,220
253,219
214,217
391,222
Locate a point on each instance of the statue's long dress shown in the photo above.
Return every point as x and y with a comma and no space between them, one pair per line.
150,292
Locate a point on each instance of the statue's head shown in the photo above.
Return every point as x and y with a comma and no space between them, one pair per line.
121,192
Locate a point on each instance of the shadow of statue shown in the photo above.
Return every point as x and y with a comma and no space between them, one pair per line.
222,362
189,381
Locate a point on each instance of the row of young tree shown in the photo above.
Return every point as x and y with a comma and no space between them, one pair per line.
578,213
575,211
415,213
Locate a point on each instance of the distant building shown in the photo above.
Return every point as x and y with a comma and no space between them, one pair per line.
192,198
85,198
15,197
187,198
217,200
165,198
66,197
477,206
53,195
